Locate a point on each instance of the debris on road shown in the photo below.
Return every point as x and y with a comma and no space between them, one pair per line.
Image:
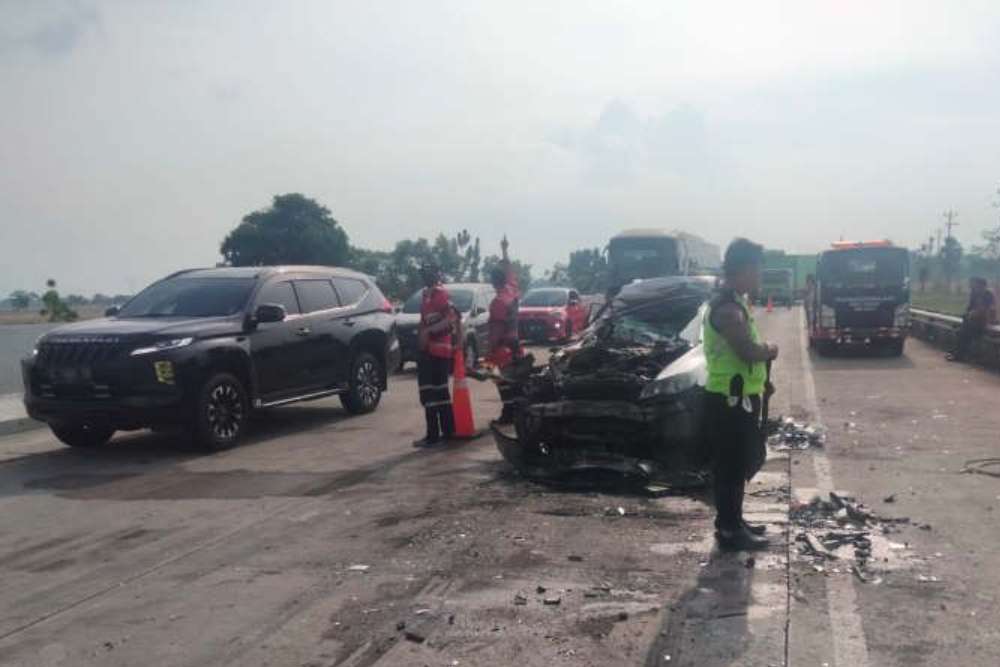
843,530
890,498
982,467
553,600
786,433
359,568
520,600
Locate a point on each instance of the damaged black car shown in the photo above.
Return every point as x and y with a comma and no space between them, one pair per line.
627,396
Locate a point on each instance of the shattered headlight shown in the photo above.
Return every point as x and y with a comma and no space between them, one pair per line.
682,375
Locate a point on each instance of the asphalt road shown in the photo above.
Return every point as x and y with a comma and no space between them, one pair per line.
327,540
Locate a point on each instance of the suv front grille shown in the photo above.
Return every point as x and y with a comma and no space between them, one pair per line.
78,354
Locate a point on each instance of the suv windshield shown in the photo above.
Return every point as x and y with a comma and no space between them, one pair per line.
461,298
546,298
191,297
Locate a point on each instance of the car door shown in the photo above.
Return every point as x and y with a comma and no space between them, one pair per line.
324,350
575,311
350,320
485,298
278,351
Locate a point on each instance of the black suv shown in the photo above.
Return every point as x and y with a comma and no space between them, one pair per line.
202,348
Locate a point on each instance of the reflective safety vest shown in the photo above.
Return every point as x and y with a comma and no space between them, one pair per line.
728,374
435,307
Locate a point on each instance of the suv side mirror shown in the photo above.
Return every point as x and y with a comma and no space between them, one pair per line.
269,312
112,311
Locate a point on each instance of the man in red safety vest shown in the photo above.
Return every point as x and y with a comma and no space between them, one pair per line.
435,341
505,347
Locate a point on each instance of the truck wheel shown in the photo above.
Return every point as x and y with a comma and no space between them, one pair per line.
83,434
365,385
221,412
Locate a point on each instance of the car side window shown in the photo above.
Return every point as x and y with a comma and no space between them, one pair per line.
316,295
280,293
351,291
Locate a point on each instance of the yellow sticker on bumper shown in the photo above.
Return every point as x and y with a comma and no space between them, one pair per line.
164,371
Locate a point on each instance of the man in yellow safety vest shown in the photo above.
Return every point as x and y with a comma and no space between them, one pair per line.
737,379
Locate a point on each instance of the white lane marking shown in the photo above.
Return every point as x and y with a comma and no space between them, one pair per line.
849,646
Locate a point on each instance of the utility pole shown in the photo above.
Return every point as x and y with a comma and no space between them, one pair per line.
950,216
939,239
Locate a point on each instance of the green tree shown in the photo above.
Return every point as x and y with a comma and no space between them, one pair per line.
523,270
293,230
588,270
55,308
951,259
19,299
558,276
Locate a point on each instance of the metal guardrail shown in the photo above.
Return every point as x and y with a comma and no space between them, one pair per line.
942,328
944,320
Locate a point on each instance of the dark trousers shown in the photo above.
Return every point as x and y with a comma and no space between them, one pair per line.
509,393
967,335
432,377
734,435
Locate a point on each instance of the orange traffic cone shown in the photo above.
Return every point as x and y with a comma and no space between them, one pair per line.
770,304
465,428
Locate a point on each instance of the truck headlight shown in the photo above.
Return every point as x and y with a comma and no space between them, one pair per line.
162,346
827,316
901,317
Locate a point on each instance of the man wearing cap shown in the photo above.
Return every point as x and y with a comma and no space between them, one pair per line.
737,379
434,364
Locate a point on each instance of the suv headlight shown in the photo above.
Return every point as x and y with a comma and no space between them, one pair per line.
901,317
685,373
827,316
162,346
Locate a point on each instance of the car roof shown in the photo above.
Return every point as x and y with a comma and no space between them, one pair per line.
653,288
266,271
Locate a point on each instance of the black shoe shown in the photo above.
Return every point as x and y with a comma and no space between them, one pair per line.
755,528
740,540
425,443
951,356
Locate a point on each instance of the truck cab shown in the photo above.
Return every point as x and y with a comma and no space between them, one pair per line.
862,296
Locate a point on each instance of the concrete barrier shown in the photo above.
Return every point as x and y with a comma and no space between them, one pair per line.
941,329
12,416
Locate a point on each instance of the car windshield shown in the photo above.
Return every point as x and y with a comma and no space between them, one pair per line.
545,298
461,298
191,297
657,321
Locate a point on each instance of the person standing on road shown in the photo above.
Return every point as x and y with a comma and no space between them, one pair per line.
434,363
505,348
737,379
979,314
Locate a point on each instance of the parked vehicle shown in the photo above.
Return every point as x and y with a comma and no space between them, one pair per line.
471,299
202,348
627,396
551,314
639,254
776,286
862,296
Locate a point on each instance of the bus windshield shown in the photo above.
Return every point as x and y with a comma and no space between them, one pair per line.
636,257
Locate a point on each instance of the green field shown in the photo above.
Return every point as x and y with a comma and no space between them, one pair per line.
940,301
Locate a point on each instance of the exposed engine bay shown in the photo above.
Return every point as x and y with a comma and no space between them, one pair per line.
626,397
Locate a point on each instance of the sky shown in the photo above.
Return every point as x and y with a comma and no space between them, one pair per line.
137,133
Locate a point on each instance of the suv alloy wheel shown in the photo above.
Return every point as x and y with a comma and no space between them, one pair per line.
365,385
221,412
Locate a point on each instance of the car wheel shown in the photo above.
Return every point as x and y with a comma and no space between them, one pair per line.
365,386
83,434
221,412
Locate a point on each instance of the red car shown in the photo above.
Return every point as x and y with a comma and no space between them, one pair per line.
551,314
